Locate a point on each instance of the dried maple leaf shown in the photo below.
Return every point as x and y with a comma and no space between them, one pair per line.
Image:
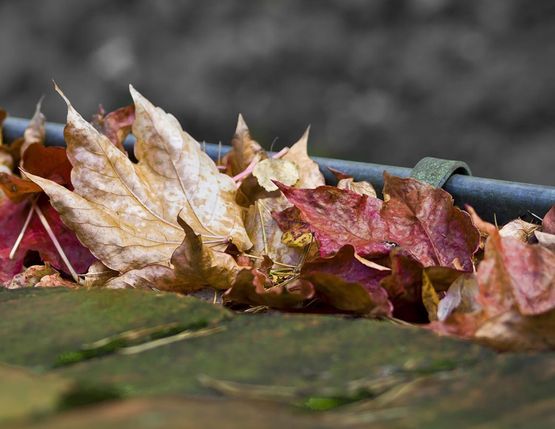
126,213
423,220
194,266
310,175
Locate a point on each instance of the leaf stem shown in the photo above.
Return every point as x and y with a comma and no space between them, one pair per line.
23,230
56,243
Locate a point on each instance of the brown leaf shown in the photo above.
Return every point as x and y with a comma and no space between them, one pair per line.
98,275
460,297
125,213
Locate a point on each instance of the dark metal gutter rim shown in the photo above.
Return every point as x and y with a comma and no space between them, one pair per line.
493,199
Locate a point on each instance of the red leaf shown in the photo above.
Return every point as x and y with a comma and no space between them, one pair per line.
347,284
423,220
12,218
516,273
340,217
116,125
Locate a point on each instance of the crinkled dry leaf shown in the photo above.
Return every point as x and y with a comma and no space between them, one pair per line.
30,277
424,221
296,232
518,229
268,170
194,266
125,213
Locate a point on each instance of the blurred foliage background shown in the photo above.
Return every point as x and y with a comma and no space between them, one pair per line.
386,81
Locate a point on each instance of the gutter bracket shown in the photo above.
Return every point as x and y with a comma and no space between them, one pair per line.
437,171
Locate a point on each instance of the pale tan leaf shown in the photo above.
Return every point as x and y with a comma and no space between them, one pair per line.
126,213
184,177
460,297
194,266
309,173
98,275
281,170
244,150
546,239
518,229
35,131
265,233
362,188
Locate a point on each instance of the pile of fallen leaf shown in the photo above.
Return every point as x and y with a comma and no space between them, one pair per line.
263,231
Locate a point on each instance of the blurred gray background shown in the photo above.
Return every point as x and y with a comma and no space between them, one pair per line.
385,81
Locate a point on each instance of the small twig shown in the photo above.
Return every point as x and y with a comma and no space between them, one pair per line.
23,230
185,335
56,243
